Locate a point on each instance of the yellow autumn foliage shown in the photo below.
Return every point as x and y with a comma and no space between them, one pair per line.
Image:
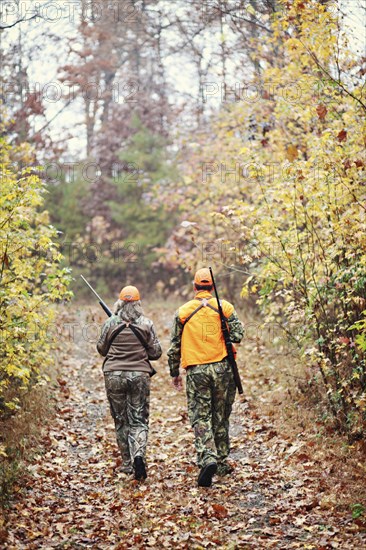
289,187
30,279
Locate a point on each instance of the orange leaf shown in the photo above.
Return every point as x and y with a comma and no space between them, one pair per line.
322,111
342,136
5,260
220,511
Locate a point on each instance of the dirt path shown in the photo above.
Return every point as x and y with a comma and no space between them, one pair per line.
75,497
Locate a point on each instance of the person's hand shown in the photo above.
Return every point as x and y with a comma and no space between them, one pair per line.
177,383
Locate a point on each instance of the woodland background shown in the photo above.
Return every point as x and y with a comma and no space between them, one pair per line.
143,139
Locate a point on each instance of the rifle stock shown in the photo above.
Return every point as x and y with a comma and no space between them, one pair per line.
228,343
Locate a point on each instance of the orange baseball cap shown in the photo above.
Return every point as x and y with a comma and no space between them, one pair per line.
203,277
129,294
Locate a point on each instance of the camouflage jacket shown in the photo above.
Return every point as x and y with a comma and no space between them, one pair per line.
174,353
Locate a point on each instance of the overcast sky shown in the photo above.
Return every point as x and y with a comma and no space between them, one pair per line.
61,19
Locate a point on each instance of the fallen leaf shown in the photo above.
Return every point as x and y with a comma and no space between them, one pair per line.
322,111
342,136
220,512
292,153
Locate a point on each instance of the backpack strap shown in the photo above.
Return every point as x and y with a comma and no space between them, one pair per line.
193,313
121,328
138,336
204,303
144,344
213,307
118,331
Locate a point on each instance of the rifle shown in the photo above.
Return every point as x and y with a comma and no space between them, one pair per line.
102,304
228,343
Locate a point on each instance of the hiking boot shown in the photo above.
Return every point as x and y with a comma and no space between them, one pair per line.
224,468
206,475
139,467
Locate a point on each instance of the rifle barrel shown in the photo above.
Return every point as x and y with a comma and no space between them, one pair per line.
102,304
91,288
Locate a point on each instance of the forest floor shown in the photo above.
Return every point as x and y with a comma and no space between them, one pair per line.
293,487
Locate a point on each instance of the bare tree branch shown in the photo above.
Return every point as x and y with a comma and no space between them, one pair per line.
36,14
51,119
4,27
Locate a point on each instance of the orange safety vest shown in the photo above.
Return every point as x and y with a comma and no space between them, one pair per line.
202,340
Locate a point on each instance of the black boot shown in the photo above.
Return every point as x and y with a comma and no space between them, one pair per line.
139,467
206,475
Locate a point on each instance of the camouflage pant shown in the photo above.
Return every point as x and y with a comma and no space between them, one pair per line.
210,396
129,398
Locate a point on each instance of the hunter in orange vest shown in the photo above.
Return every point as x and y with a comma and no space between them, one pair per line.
197,345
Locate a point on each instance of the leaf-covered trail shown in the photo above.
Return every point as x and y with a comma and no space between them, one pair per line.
76,498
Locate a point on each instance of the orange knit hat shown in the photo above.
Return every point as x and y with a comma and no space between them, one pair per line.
129,294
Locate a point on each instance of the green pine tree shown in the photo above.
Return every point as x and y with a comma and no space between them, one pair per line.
143,173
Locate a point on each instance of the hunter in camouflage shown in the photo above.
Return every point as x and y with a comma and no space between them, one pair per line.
210,395
128,394
128,342
197,345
